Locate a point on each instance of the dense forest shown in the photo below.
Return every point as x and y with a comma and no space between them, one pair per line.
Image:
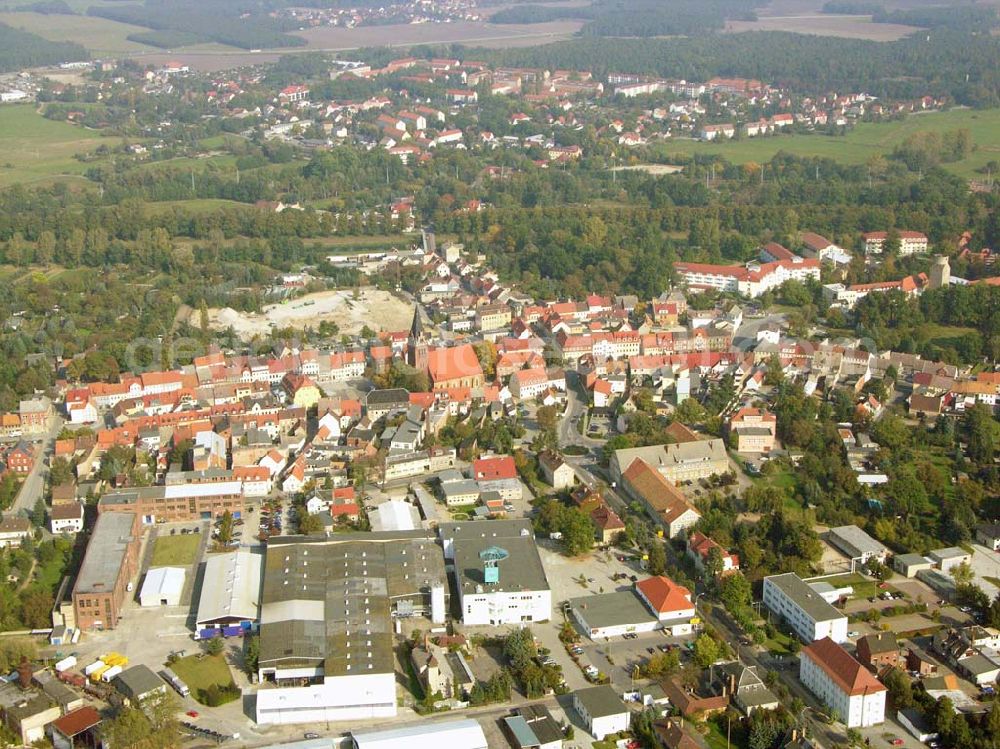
19,49
969,18
963,66
640,18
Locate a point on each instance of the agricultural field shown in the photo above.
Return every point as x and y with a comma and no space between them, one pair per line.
175,551
478,33
100,36
34,149
846,27
867,139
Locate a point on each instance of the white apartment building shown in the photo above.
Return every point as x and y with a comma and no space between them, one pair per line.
602,710
910,242
750,280
842,684
805,610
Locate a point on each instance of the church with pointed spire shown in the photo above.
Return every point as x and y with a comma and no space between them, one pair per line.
416,344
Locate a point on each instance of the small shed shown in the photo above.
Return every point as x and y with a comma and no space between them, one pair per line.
162,587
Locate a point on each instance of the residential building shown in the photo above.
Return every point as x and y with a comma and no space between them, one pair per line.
754,429
988,534
602,710
745,687
13,530
805,610
910,242
686,461
751,280
664,502
35,414
878,650
498,573
699,548
557,472
842,684
65,518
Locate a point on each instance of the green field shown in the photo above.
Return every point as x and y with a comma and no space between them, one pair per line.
34,149
864,141
201,671
175,551
198,205
99,35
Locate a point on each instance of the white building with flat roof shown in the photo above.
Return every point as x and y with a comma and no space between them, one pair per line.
451,734
162,587
805,610
514,589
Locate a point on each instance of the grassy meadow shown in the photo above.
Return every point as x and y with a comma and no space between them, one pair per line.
864,141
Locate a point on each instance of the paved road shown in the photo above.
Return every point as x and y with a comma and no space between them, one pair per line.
576,407
34,485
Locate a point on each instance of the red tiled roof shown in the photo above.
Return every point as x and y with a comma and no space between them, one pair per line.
664,594
445,364
849,675
489,469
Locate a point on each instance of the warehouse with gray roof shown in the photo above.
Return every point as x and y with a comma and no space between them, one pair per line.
328,613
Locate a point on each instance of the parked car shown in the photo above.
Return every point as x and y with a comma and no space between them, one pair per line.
192,713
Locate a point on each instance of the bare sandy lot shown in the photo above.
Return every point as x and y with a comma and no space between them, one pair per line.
655,170
847,27
479,33
377,309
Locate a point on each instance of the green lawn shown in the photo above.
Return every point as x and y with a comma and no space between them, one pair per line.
34,149
201,671
863,587
175,551
863,141
780,644
199,205
719,727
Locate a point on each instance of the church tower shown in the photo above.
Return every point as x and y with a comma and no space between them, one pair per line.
416,344
940,272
